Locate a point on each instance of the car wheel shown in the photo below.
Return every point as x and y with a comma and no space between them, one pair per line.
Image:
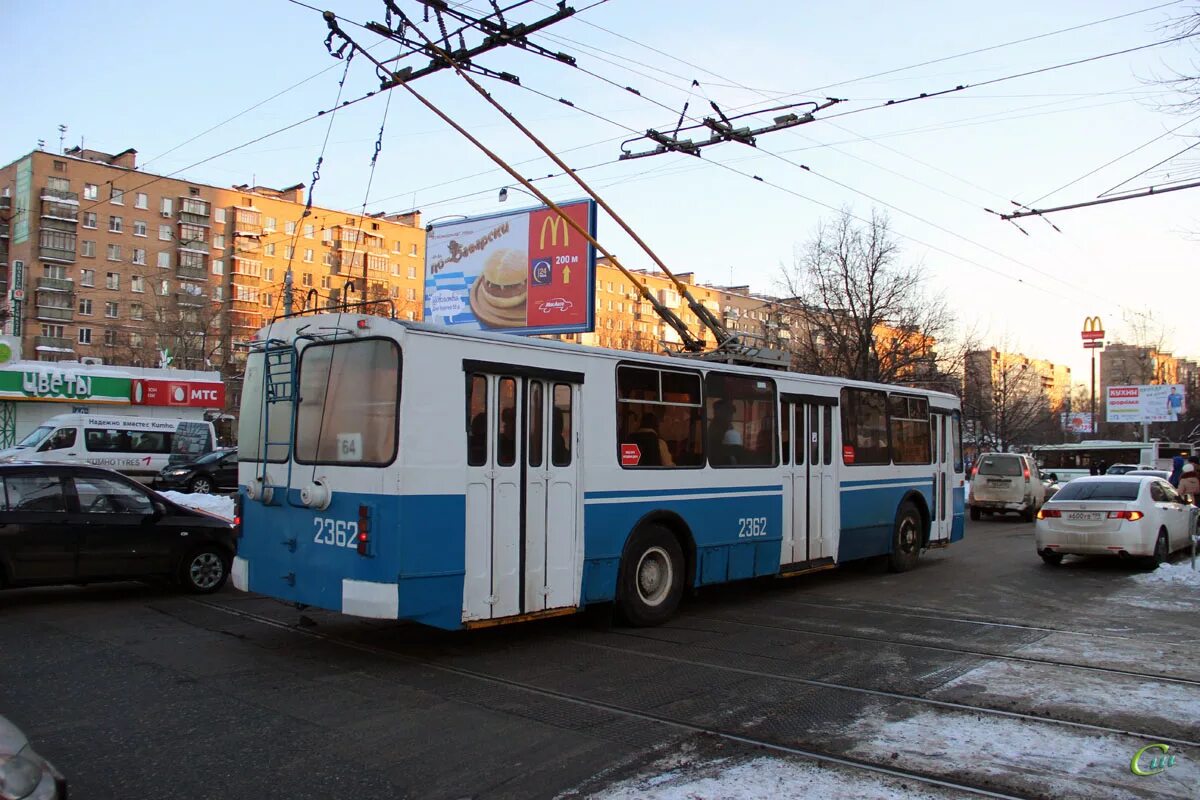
201,484
1051,558
906,539
650,585
1162,551
975,515
204,570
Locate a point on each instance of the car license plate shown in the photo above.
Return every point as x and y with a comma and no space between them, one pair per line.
1088,515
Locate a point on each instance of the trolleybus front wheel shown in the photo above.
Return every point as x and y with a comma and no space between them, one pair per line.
906,538
650,584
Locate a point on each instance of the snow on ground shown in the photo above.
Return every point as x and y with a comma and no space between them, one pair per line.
1022,755
1161,707
1172,574
767,779
212,503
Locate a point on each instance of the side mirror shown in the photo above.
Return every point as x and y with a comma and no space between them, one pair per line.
158,513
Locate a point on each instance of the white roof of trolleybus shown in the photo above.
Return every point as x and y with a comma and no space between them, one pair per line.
349,322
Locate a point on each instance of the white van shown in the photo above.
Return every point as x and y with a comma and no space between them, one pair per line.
1003,482
137,446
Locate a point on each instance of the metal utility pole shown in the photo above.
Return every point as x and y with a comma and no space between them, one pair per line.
287,292
1093,339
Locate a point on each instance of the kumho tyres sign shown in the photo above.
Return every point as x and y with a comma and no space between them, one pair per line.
62,386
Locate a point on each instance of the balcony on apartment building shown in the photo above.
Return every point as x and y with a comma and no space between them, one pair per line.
193,211
64,212
61,195
191,299
44,284
246,315
53,313
48,253
192,271
59,343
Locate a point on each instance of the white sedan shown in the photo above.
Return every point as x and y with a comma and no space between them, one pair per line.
1116,515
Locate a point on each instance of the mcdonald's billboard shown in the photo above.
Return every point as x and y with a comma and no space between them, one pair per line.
523,272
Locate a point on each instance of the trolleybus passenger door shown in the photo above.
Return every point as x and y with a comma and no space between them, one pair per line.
493,503
795,484
551,495
943,478
820,479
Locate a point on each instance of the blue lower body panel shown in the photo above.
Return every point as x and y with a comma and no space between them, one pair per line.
869,514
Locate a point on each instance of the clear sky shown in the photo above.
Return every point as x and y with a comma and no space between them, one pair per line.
153,75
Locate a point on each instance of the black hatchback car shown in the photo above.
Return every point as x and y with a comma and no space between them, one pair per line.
70,523
212,472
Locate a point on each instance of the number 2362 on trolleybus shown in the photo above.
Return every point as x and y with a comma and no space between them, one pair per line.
405,471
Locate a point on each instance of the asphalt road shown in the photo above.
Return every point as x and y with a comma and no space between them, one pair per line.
981,669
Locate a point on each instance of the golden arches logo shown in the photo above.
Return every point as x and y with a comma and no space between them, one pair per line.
1093,325
552,222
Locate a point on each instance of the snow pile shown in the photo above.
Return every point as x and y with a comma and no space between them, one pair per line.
1172,574
212,503
764,779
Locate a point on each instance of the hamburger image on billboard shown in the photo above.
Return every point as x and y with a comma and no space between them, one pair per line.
521,272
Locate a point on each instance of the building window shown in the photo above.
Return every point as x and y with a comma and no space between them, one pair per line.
118,196
135,340
137,284
87,248
139,228
308,231
110,338
219,216
112,280
412,251
325,282
411,294
164,260
219,241
307,279
191,205
412,272
85,335
55,331
114,224
268,300
85,306
218,293
269,249
191,234
327,259
269,224
308,255
60,166
141,200
135,310
289,228
289,252
87,277
139,255
114,252
245,267
166,207
269,273
89,219
91,191
110,309
218,267
164,287
164,233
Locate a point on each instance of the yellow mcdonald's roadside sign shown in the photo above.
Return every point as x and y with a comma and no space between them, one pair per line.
552,222
1093,328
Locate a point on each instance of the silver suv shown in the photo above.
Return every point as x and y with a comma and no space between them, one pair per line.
1006,482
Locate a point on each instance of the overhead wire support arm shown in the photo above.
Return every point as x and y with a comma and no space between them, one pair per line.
1038,212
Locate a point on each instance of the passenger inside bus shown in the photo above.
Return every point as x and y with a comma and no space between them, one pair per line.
654,449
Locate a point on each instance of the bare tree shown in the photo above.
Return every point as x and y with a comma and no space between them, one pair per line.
1004,401
180,330
859,312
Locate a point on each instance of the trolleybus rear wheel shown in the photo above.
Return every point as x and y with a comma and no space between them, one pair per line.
906,538
650,584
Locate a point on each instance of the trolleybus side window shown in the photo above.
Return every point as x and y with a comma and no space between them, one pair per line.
909,425
506,443
741,421
956,438
828,445
561,443
251,436
477,421
349,401
535,427
659,412
864,427
785,436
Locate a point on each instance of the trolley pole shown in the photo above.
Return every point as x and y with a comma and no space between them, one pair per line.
1093,339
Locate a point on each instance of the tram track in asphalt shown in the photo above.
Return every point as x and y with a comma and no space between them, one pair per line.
983,654
620,710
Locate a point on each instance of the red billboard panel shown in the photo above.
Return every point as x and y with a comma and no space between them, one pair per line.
186,394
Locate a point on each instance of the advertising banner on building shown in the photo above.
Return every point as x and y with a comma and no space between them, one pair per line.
189,394
523,272
63,386
1163,402
1077,422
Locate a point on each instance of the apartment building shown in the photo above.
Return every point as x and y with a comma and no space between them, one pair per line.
100,261
991,372
1132,365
